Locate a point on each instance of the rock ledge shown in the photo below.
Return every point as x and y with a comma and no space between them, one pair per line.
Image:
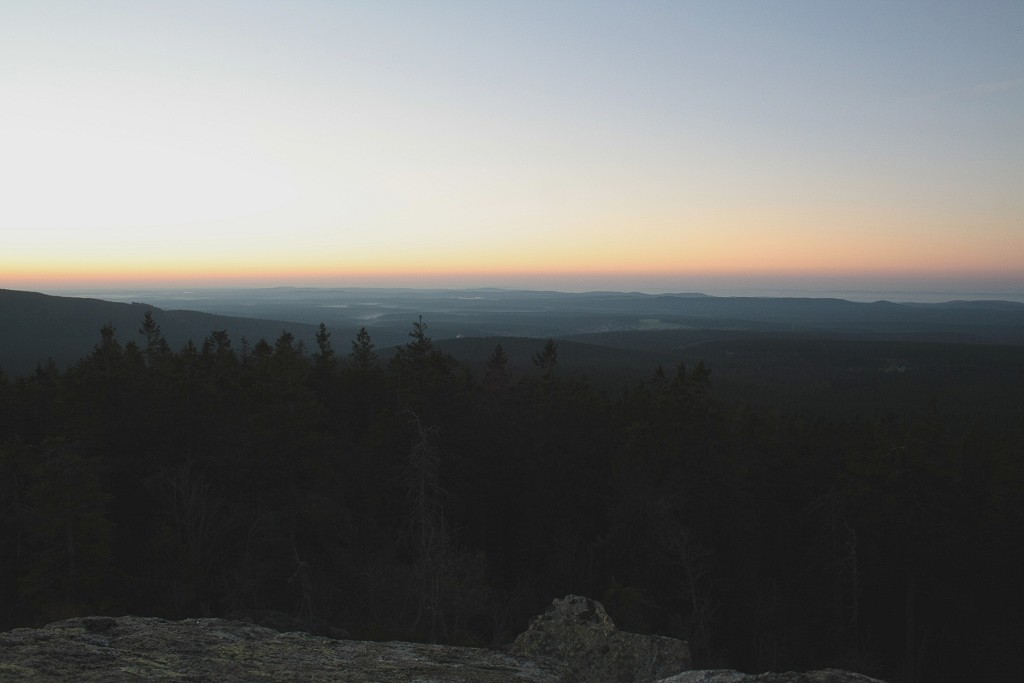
574,641
149,649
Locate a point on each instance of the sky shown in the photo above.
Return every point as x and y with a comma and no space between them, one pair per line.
649,146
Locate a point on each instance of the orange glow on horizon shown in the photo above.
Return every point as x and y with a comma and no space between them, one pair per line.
241,276
606,251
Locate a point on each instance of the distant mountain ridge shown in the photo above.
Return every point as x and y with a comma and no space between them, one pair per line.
35,327
501,312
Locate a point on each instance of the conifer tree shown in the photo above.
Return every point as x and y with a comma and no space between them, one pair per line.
363,356
323,358
547,359
496,371
157,350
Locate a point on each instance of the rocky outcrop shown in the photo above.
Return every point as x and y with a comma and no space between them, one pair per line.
574,641
147,649
577,631
725,676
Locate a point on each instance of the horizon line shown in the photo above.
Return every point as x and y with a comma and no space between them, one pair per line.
854,294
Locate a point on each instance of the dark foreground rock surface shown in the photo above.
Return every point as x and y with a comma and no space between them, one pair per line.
726,676
147,649
574,641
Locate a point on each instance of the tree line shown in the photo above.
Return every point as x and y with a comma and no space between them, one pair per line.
401,495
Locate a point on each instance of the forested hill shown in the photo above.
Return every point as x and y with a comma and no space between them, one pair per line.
35,328
413,498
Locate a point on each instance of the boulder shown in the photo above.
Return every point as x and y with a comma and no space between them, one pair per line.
147,649
726,676
578,632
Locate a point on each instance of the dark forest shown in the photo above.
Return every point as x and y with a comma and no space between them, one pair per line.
403,494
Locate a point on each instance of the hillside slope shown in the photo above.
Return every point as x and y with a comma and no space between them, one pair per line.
36,327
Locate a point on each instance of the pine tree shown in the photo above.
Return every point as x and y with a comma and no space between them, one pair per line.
496,376
423,374
323,358
157,351
547,360
363,356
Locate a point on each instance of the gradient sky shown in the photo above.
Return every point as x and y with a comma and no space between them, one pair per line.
573,145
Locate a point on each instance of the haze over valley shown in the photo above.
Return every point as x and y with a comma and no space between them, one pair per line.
612,338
